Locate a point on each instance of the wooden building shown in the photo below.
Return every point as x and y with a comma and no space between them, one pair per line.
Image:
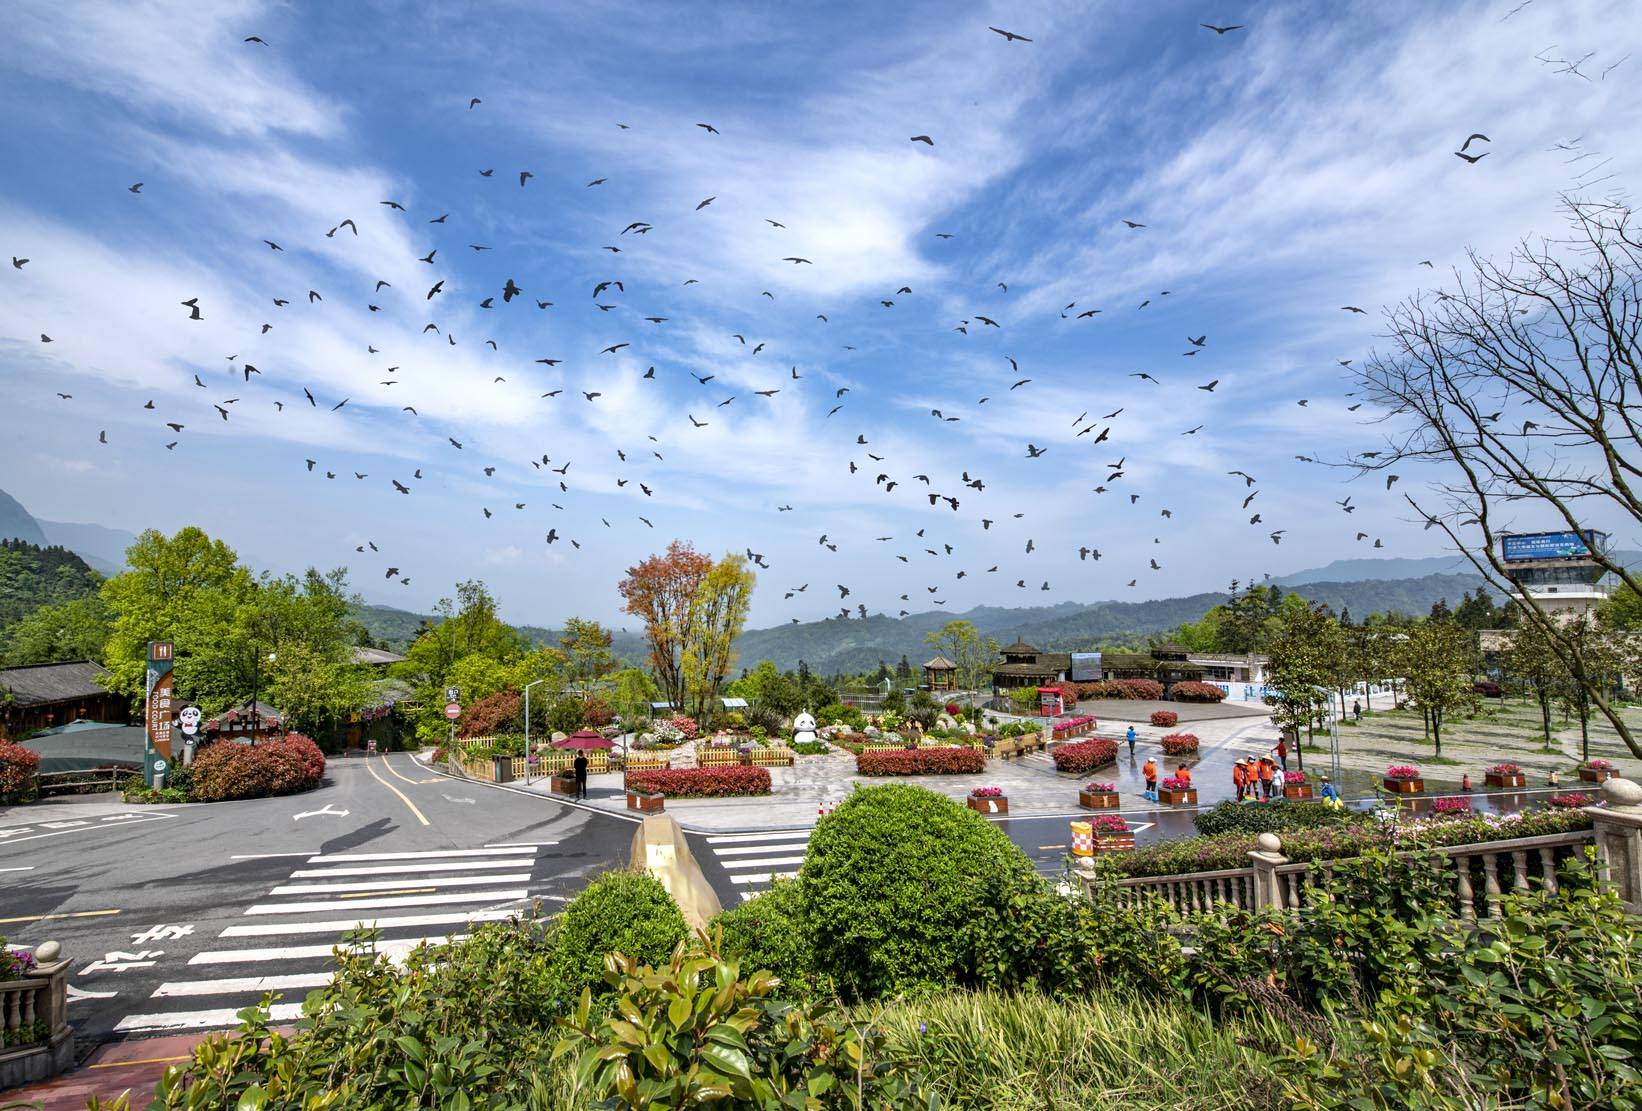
941,674
40,696
1024,666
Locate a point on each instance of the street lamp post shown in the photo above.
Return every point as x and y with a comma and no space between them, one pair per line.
528,753
256,713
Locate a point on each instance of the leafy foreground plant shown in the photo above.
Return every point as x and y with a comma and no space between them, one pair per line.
697,1031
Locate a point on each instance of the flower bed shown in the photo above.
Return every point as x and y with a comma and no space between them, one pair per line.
1133,690
988,800
1504,775
1098,796
1112,834
701,783
1175,791
1072,727
1081,757
922,761
1165,719
1193,691
18,768
1295,786
1336,842
1450,807
1596,771
1180,744
1404,779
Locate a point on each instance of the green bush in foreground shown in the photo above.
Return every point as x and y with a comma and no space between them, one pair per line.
767,932
627,912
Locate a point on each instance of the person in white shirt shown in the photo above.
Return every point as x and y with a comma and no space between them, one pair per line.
1277,782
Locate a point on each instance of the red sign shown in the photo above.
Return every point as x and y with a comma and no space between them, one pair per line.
452,711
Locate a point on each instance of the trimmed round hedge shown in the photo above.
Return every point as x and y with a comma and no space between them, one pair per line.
626,912
227,769
893,883
767,932
18,768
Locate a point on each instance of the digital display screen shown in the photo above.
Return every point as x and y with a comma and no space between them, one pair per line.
1546,545
1085,667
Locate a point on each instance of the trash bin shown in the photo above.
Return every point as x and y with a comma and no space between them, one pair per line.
1083,839
504,769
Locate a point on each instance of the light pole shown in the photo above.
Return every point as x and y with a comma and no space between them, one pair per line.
528,754
256,716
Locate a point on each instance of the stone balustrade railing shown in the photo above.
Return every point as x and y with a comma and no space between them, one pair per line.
35,1039
1484,872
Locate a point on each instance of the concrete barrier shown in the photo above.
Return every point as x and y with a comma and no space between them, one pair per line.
659,848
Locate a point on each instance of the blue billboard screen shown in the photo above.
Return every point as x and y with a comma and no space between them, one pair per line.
1546,545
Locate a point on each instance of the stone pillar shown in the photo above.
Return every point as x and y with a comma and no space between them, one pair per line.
1619,840
1268,892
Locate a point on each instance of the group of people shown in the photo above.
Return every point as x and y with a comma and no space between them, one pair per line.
1149,771
1258,779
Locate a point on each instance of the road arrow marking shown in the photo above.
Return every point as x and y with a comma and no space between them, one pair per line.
315,813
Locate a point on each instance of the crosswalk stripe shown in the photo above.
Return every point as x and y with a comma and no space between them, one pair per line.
766,862
763,877
232,984
520,844
749,850
436,854
415,868
343,925
787,835
390,901
200,1020
390,885
393,950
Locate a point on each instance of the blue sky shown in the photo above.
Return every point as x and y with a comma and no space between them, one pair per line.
1281,171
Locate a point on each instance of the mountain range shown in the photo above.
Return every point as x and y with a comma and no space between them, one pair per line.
102,548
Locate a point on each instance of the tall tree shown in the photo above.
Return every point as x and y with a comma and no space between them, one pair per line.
661,591
1439,664
1534,666
586,645
1301,670
963,644
59,631
719,612
1522,385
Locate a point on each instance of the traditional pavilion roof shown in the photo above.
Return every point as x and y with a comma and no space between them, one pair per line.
940,663
43,684
1019,648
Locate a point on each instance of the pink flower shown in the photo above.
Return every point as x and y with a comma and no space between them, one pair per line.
1100,788
986,793
1402,771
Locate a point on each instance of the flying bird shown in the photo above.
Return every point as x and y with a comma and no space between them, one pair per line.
1009,36
1223,30
925,139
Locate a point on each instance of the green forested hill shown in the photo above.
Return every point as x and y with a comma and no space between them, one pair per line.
32,576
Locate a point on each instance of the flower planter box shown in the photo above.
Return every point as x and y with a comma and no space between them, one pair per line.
1114,842
1405,786
645,802
1297,790
1177,796
1502,779
994,805
562,784
1098,800
1595,775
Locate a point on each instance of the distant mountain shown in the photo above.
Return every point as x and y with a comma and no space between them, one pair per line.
32,576
397,628
102,548
1382,570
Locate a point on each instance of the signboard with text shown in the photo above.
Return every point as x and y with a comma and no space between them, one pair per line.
1547,545
157,709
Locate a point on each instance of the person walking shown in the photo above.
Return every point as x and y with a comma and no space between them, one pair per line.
581,775
1130,737
1357,710
1240,779
1283,752
1149,771
1267,767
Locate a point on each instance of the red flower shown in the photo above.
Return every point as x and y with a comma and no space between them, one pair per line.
1085,756
922,761
701,783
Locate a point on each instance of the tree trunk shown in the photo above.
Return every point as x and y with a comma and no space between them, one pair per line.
1545,717
1436,729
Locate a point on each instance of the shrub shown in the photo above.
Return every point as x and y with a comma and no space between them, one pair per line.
1180,744
597,713
1599,765
1193,691
835,713
1024,699
229,770
19,768
1080,757
1294,779
1402,771
922,761
701,783
494,713
1165,719
1278,816
1108,823
809,748
952,709
1100,788
767,932
986,793
894,882
1133,690
627,912
1504,769
686,726
1570,801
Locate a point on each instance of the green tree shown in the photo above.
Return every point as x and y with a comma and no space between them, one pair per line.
1532,664
719,614
1439,665
1300,670
465,629
963,644
59,631
586,647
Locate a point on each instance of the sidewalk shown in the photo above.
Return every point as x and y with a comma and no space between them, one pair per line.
111,1069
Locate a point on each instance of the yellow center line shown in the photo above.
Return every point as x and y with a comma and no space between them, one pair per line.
373,894
392,771
140,1061
68,914
397,791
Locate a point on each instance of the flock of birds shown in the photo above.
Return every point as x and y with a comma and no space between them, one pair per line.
939,549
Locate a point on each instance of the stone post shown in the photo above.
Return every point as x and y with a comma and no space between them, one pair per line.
1619,840
1268,892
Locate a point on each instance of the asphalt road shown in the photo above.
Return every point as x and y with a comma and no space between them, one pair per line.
178,916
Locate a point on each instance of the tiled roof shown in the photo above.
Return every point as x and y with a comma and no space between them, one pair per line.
41,684
941,663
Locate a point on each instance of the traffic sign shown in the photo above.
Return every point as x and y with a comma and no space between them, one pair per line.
159,767
452,711
453,694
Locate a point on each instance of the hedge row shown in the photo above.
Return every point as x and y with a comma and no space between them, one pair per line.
1192,691
1134,690
1180,744
1084,756
18,767
922,761
231,770
701,783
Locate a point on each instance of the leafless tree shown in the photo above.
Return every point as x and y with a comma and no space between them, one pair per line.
1523,385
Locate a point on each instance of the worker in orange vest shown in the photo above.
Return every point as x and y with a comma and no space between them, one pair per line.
1240,780
1184,774
1149,771
1266,769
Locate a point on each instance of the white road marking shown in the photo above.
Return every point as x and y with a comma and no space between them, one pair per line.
766,862
200,1020
521,844
785,835
394,950
343,925
431,855
231,984
748,850
394,901
391,885
24,868
761,878
413,868
269,856
325,811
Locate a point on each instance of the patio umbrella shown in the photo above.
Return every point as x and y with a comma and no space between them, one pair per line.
584,739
